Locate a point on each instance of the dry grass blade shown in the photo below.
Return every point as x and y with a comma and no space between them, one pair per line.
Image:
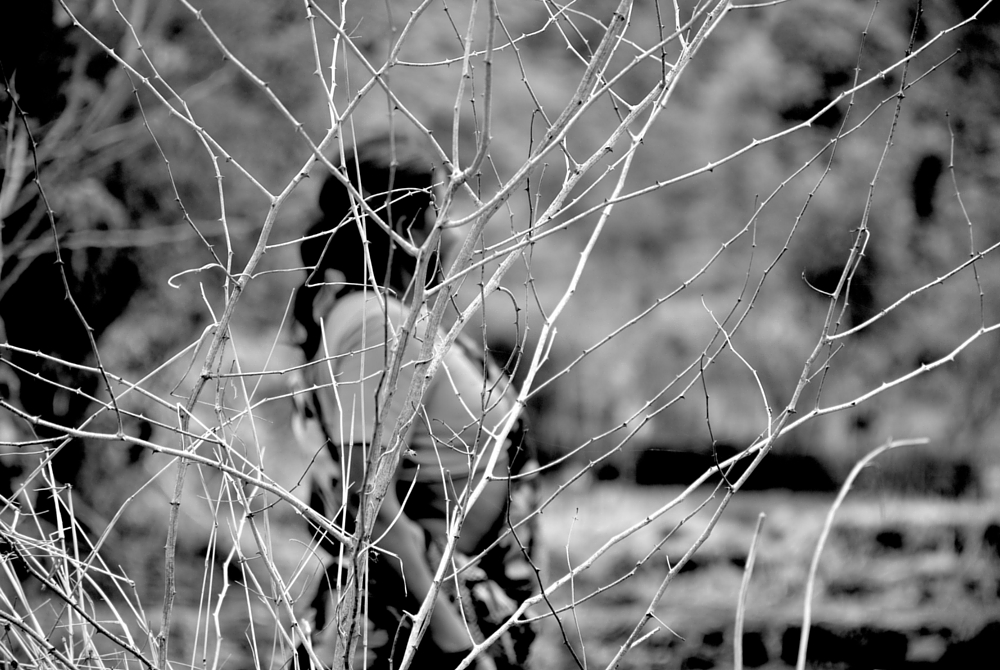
741,603
825,533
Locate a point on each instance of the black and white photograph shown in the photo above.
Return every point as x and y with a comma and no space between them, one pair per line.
499,334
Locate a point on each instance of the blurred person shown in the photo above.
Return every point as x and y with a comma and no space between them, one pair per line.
347,314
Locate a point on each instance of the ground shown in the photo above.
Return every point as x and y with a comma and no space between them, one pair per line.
903,582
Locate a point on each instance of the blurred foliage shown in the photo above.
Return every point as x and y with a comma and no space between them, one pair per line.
763,71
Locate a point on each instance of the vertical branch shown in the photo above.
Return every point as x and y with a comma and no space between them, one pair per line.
484,132
51,217
465,76
968,220
548,328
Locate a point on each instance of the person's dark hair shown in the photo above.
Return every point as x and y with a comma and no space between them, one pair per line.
397,182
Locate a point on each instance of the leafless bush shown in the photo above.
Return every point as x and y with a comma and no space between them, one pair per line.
536,160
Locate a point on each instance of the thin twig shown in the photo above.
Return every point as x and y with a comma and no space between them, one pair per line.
50,215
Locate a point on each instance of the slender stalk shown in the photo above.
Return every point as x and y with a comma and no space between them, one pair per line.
741,604
825,533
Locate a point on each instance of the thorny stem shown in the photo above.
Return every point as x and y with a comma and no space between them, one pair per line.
757,450
50,215
74,602
554,137
191,455
46,646
714,18
972,242
742,601
761,448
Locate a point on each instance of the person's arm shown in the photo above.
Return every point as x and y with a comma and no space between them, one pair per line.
358,379
405,540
